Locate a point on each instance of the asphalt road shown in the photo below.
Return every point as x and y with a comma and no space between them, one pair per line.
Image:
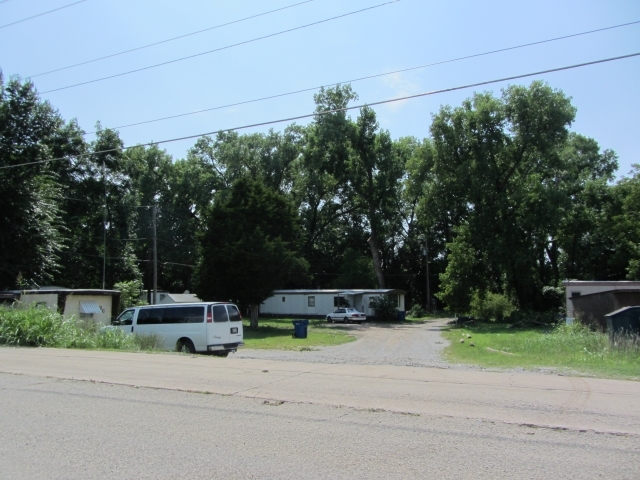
54,428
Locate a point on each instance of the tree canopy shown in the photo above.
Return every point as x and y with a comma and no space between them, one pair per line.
508,198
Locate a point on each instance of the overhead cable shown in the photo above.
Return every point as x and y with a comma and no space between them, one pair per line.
377,75
41,14
338,110
169,39
245,42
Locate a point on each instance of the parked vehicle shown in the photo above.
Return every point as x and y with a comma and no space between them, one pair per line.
188,327
346,315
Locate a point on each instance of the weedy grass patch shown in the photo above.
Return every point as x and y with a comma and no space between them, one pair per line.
277,334
40,327
568,348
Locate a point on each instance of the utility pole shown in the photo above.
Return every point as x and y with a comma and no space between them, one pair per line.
104,228
155,259
426,256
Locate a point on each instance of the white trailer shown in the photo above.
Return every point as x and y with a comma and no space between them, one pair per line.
319,303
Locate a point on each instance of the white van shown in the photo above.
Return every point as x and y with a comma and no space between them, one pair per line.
188,327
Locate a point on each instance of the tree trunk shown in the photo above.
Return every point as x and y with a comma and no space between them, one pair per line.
254,316
375,254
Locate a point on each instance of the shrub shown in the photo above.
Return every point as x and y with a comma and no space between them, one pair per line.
491,306
417,311
129,293
529,317
385,309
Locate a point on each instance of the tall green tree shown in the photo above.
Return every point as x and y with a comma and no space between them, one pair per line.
250,247
100,216
365,164
31,132
496,168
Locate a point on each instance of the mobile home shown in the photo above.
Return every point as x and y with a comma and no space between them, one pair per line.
319,303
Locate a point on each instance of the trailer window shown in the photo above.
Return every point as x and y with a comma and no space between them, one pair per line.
220,314
311,301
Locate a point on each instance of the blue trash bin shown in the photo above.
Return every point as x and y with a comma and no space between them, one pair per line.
401,315
300,328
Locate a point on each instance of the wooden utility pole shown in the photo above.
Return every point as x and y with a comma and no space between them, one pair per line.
426,257
155,259
104,229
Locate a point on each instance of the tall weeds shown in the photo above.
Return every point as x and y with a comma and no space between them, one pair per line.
40,327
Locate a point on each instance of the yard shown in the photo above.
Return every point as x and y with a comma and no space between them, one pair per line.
277,334
567,349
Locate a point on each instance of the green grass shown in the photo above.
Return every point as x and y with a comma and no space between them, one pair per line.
277,334
570,349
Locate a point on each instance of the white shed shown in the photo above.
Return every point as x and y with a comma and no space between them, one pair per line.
319,303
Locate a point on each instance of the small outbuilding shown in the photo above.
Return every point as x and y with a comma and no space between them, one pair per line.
319,303
578,288
100,306
165,298
592,309
626,320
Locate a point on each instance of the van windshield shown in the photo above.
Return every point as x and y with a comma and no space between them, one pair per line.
125,318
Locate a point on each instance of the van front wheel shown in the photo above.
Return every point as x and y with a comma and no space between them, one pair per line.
185,346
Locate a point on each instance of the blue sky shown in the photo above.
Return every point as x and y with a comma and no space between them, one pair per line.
400,35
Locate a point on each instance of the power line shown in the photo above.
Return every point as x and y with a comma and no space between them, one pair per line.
222,48
466,57
40,14
76,254
169,39
338,110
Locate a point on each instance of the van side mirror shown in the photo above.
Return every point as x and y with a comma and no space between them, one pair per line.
115,322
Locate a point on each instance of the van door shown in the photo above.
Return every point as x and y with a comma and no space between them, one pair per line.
218,329
125,321
235,324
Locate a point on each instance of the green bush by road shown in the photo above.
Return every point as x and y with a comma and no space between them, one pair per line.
571,349
277,334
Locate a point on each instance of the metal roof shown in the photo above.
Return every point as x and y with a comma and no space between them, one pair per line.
68,291
622,310
379,291
183,297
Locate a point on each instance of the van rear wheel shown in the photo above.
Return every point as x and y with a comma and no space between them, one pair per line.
185,346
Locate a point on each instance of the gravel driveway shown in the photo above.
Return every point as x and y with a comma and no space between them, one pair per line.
378,344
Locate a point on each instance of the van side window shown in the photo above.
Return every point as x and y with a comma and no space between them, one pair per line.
220,314
194,314
125,318
234,314
183,315
150,316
